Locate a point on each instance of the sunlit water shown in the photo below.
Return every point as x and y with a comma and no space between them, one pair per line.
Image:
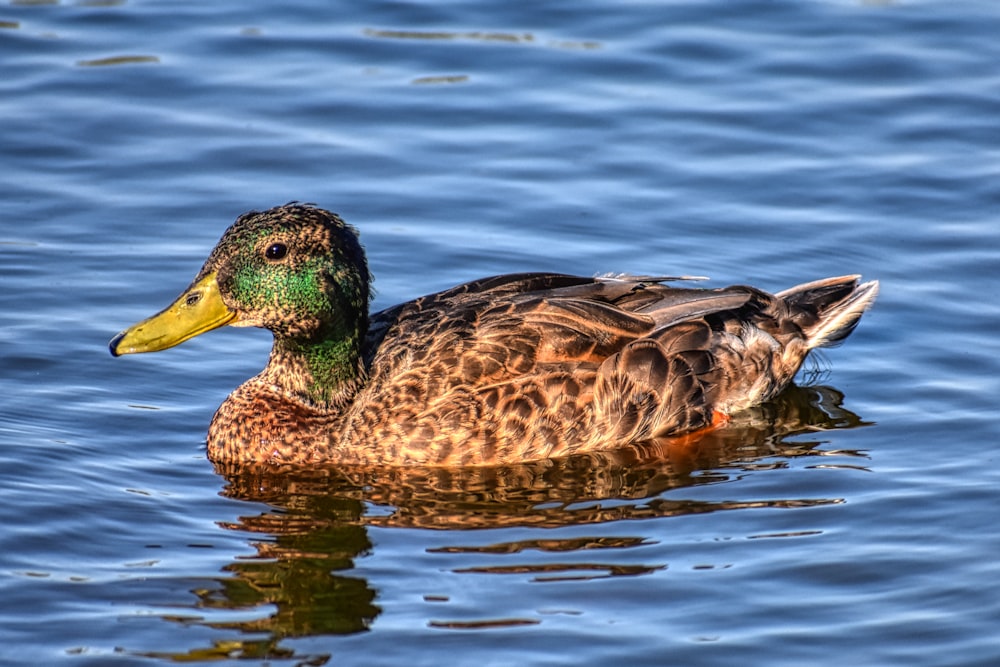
853,522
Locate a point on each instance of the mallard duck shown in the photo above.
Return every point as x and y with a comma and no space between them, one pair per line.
499,370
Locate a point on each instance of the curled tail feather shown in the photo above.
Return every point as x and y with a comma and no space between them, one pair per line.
838,304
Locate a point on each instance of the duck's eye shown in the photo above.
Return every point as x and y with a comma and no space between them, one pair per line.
276,251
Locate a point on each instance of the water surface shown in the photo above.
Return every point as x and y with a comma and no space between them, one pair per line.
851,522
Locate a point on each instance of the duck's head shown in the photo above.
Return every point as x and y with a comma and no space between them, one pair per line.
297,270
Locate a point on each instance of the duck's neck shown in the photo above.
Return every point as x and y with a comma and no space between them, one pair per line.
325,374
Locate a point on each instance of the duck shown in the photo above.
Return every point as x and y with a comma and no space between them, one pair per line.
500,370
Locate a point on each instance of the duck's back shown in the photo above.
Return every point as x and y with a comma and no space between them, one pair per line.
528,366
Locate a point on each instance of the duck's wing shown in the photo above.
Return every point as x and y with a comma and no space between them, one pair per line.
412,318
590,322
512,322
722,361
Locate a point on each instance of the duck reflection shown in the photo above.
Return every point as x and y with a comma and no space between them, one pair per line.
317,521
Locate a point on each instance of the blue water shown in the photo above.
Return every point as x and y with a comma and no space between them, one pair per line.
770,143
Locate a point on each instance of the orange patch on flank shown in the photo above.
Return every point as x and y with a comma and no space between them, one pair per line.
719,419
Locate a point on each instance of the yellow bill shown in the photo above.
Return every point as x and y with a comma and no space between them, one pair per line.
199,309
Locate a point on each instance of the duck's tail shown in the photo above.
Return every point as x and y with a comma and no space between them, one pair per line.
836,304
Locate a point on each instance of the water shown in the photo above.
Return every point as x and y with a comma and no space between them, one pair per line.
768,143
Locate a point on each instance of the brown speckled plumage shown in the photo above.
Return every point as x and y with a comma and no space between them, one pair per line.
504,369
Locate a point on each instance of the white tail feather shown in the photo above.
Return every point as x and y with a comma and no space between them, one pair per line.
839,320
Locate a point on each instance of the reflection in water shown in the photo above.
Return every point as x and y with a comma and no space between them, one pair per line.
117,60
318,523
508,37
431,80
443,35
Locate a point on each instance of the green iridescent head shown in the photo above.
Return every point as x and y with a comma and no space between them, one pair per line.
297,270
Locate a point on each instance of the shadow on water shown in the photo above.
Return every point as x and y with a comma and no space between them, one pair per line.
318,520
